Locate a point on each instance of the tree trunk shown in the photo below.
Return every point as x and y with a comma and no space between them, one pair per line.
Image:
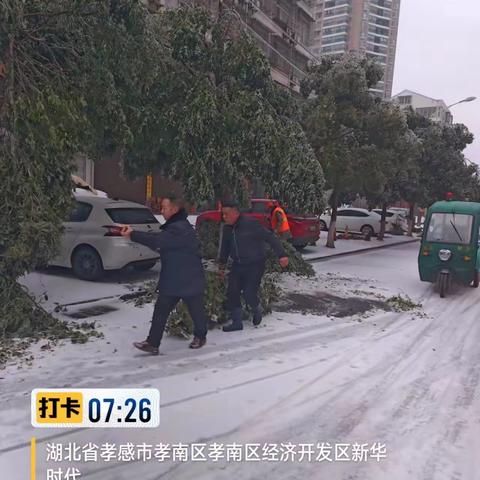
258,189
383,222
411,220
333,223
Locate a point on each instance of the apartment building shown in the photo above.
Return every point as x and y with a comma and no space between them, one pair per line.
431,108
364,26
283,29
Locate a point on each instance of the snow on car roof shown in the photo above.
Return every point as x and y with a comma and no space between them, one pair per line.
108,202
356,209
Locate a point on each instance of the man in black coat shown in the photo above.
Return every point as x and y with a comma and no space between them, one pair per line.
182,276
243,239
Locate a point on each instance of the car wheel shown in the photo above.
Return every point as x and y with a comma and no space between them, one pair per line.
301,247
145,266
367,231
87,264
323,226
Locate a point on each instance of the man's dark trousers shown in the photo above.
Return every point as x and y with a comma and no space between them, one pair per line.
244,279
164,306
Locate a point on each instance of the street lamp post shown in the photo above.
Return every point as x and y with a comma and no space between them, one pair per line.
465,100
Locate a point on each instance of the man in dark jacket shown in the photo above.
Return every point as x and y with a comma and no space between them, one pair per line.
182,276
243,239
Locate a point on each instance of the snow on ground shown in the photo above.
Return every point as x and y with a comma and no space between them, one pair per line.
62,287
351,245
407,380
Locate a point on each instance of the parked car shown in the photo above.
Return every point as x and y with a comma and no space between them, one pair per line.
305,229
395,220
357,220
403,211
91,241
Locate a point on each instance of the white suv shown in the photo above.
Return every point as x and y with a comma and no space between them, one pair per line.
91,243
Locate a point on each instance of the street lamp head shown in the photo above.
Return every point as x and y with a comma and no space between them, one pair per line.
465,100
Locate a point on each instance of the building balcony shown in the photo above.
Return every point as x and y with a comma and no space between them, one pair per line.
284,79
300,48
306,9
267,22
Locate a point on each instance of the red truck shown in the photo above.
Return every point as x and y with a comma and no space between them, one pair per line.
305,229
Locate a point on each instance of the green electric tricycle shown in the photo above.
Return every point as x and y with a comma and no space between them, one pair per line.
450,245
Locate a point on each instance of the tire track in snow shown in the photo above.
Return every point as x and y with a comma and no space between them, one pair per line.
244,351
255,419
439,332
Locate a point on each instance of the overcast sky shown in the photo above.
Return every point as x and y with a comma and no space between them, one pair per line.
438,55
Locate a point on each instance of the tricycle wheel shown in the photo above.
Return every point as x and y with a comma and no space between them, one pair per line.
443,284
476,280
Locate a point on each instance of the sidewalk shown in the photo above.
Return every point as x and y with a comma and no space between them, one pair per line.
346,247
62,287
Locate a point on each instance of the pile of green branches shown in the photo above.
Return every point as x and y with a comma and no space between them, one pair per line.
24,321
180,323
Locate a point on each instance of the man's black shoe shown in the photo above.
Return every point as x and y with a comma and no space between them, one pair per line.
257,317
233,327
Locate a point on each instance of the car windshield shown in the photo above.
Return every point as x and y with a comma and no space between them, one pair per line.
450,228
131,216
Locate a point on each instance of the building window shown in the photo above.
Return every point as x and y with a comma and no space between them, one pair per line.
331,22
334,30
336,3
379,31
380,12
380,21
405,100
429,112
338,48
337,11
377,40
378,49
383,3
335,39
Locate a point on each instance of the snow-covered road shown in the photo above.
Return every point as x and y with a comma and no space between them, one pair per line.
407,380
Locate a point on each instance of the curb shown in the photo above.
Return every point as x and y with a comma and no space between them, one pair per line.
357,252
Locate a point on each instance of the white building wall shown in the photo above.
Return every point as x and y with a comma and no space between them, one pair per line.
432,108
